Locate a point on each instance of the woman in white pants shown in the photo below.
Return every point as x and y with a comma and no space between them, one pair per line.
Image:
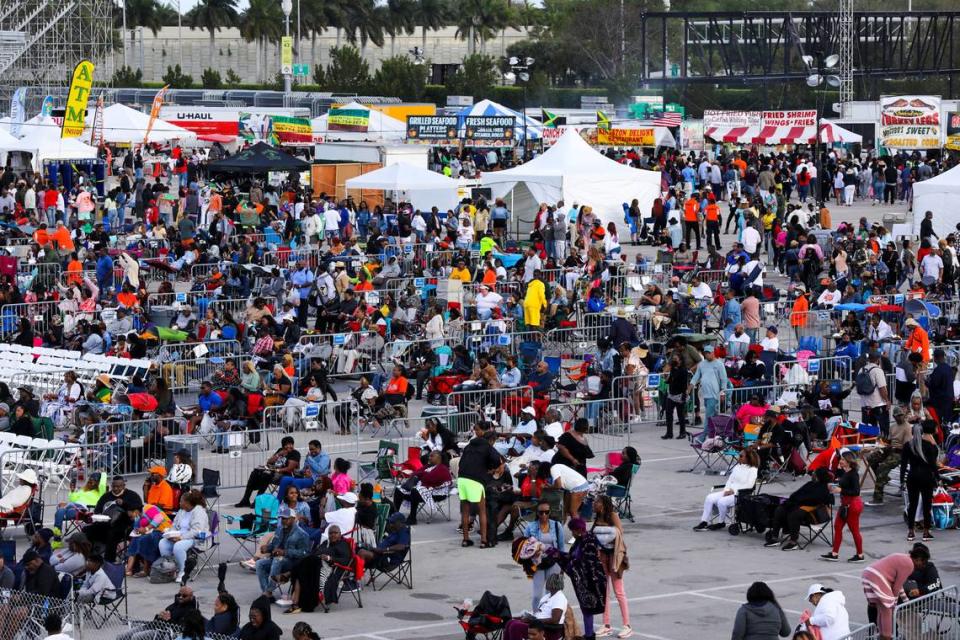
742,476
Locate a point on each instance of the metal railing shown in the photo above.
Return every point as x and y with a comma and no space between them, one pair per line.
866,632
301,415
180,350
611,421
833,368
935,615
511,399
40,314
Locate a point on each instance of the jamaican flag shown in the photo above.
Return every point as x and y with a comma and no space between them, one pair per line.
551,120
603,120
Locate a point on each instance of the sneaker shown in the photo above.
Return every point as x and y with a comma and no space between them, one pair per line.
284,602
874,503
911,536
604,631
790,546
927,537
830,557
701,527
856,558
179,578
626,632
250,564
771,542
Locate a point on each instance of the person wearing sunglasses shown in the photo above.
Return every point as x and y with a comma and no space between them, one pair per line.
549,533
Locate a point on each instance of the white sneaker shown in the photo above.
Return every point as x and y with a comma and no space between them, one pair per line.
604,631
626,632
284,602
179,577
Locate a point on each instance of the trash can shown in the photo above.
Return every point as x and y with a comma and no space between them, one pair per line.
890,219
192,445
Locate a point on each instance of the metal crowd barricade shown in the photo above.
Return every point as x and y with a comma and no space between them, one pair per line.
712,277
410,256
237,307
866,632
347,354
246,450
449,257
553,276
28,611
611,421
298,414
45,271
400,288
41,314
640,393
403,350
204,270
510,400
832,368
526,346
289,259
935,615
624,289
770,393
180,350
820,325
187,374
66,278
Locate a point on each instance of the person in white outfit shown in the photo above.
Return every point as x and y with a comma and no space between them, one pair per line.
829,615
742,476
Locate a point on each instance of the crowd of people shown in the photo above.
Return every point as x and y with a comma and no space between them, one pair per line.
146,265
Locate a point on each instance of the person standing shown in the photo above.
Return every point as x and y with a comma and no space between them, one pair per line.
678,380
882,583
871,385
585,569
918,463
851,506
940,387
711,375
691,211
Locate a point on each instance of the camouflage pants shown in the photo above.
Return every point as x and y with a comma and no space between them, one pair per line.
883,462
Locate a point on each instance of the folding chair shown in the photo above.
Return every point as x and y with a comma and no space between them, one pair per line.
105,609
436,500
200,554
819,526
382,468
720,436
350,581
210,486
620,495
265,509
400,574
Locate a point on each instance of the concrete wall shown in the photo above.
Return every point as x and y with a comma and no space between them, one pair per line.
155,53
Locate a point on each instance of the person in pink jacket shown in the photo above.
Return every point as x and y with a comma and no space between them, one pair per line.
883,585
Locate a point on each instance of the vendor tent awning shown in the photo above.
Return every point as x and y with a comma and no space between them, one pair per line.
126,125
380,127
830,133
260,158
573,171
401,177
491,108
937,195
41,137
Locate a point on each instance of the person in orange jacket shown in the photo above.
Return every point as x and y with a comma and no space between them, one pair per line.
918,340
800,314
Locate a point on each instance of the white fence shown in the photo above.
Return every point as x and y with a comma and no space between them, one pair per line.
935,615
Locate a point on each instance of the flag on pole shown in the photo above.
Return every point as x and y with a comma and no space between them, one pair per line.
551,120
667,119
75,113
46,107
17,111
96,131
603,120
155,110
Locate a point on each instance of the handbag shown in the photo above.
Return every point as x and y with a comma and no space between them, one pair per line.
842,512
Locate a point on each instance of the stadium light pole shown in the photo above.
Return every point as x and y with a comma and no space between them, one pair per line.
287,7
123,7
519,70
823,62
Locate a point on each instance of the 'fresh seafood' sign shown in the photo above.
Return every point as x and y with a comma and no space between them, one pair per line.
910,122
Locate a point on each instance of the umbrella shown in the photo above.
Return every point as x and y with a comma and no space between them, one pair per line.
260,158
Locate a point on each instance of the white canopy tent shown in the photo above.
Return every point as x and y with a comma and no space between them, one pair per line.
573,171
939,195
41,137
123,124
381,128
421,187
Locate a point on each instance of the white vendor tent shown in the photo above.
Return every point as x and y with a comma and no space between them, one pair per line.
939,195
381,128
421,187
123,124
41,137
830,133
491,108
573,171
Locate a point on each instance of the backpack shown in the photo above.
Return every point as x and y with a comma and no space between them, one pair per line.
864,383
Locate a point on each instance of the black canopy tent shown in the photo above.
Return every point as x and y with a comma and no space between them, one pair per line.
260,158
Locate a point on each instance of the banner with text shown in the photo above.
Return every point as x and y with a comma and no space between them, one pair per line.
691,135
432,129
910,122
713,118
343,119
75,113
953,131
627,137
803,118
489,131
287,130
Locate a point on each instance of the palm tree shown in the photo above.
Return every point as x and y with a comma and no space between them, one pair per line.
262,22
364,23
430,14
212,15
318,15
142,13
399,19
482,19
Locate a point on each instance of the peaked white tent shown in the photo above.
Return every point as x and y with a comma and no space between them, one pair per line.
123,124
573,171
41,137
939,195
381,128
421,187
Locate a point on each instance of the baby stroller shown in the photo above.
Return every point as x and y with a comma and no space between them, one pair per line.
486,620
753,512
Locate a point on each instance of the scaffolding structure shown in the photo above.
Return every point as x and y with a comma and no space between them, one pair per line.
845,50
42,40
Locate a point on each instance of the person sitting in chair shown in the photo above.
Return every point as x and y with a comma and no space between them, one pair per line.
434,475
390,551
743,476
97,585
15,499
806,505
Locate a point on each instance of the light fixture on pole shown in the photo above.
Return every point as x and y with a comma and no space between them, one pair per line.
417,54
815,80
287,7
520,71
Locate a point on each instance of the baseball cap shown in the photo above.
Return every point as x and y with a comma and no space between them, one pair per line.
286,512
708,348
348,497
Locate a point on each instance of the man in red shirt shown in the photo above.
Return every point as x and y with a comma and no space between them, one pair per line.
50,196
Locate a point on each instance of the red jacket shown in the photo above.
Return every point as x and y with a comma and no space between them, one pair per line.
434,476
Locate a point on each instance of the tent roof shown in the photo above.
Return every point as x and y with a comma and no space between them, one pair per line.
570,156
381,127
123,124
401,177
830,133
491,108
937,195
260,158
